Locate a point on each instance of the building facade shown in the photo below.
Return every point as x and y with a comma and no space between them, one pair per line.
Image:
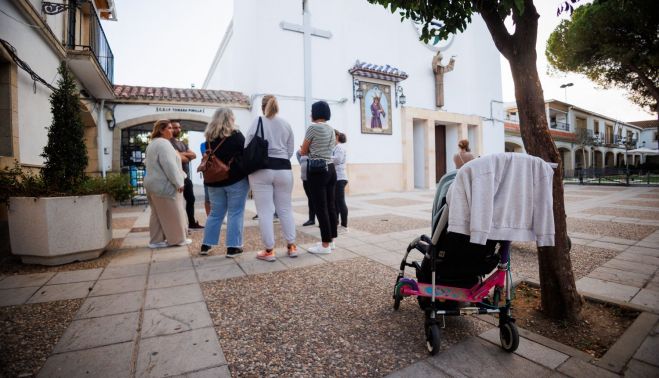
352,53
35,37
584,138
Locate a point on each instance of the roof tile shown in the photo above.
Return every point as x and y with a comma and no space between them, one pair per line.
129,92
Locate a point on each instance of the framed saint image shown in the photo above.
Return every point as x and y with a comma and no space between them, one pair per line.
375,107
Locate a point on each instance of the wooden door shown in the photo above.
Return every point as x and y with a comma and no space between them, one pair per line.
440,151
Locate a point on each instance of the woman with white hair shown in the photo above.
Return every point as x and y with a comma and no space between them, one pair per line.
228,196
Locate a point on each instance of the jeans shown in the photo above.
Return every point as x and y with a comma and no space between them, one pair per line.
322,196
226,200
341,207
188,194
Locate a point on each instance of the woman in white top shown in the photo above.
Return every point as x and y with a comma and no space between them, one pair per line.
164,189
272,187
339,158
464,155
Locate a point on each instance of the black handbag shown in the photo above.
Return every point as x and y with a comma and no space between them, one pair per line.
316,166
255,155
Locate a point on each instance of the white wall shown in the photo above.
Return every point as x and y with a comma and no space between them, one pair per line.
33,107
263,58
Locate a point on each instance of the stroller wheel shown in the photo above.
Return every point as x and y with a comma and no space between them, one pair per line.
509,337
398,295
433,337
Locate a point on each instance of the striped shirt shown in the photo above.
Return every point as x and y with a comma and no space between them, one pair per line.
323,140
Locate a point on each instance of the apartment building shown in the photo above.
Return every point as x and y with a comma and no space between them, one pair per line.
584,138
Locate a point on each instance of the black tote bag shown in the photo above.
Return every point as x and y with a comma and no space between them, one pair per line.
255,156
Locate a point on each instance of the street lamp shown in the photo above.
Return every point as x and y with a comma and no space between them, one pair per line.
564,86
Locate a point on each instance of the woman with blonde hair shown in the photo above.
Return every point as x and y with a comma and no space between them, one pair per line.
164,189
228,196
464,155
272,186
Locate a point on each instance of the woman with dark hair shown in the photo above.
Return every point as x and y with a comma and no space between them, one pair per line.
227,197
319,142
273,186
164,189
339,159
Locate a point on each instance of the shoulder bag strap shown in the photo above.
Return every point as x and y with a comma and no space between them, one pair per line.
259,127
216,147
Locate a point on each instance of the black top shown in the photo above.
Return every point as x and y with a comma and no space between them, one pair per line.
180,146
231,148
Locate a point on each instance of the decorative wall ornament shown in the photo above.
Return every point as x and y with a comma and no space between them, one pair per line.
54,8
375,108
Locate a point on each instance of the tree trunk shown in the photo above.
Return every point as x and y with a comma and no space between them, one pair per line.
560,299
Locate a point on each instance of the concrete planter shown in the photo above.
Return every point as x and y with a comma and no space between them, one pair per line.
59,230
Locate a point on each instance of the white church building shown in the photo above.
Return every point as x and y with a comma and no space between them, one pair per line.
347,52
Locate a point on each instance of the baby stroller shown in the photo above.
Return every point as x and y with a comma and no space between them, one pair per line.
455,276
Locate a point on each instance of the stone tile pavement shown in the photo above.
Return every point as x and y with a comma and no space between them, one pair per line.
144,315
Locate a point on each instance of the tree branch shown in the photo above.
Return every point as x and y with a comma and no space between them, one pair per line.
502,39
646,81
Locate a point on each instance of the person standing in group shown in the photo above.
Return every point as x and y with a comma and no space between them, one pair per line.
319,142
339,159
227,197
272,186
187,155
207,201
464,155
305,184
164,188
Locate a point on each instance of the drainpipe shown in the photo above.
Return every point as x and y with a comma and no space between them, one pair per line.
101,145
73,8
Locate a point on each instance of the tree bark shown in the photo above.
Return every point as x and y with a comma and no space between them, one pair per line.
559,296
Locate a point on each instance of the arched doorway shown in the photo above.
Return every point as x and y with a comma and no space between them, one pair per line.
598,159
132,138
581,158
609,160
620,160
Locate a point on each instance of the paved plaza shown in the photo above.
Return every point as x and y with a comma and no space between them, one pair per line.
170,312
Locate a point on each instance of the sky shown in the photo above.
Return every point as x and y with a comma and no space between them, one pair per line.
172,43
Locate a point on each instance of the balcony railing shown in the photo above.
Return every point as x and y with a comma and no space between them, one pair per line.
563,126
96,42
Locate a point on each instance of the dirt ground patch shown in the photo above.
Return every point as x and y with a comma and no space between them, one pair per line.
626,213
614,229
387,223
29,333
638,203
601,325
334,320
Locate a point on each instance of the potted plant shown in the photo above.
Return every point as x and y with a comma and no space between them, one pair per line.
59,214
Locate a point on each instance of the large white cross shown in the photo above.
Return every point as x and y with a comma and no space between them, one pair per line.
307,31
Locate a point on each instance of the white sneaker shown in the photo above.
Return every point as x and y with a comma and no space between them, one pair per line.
185,242
162,244
318,249
342,230
332,245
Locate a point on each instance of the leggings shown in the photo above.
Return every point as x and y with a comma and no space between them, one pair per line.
341,207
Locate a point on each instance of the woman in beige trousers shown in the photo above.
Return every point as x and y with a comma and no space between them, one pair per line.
164,189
